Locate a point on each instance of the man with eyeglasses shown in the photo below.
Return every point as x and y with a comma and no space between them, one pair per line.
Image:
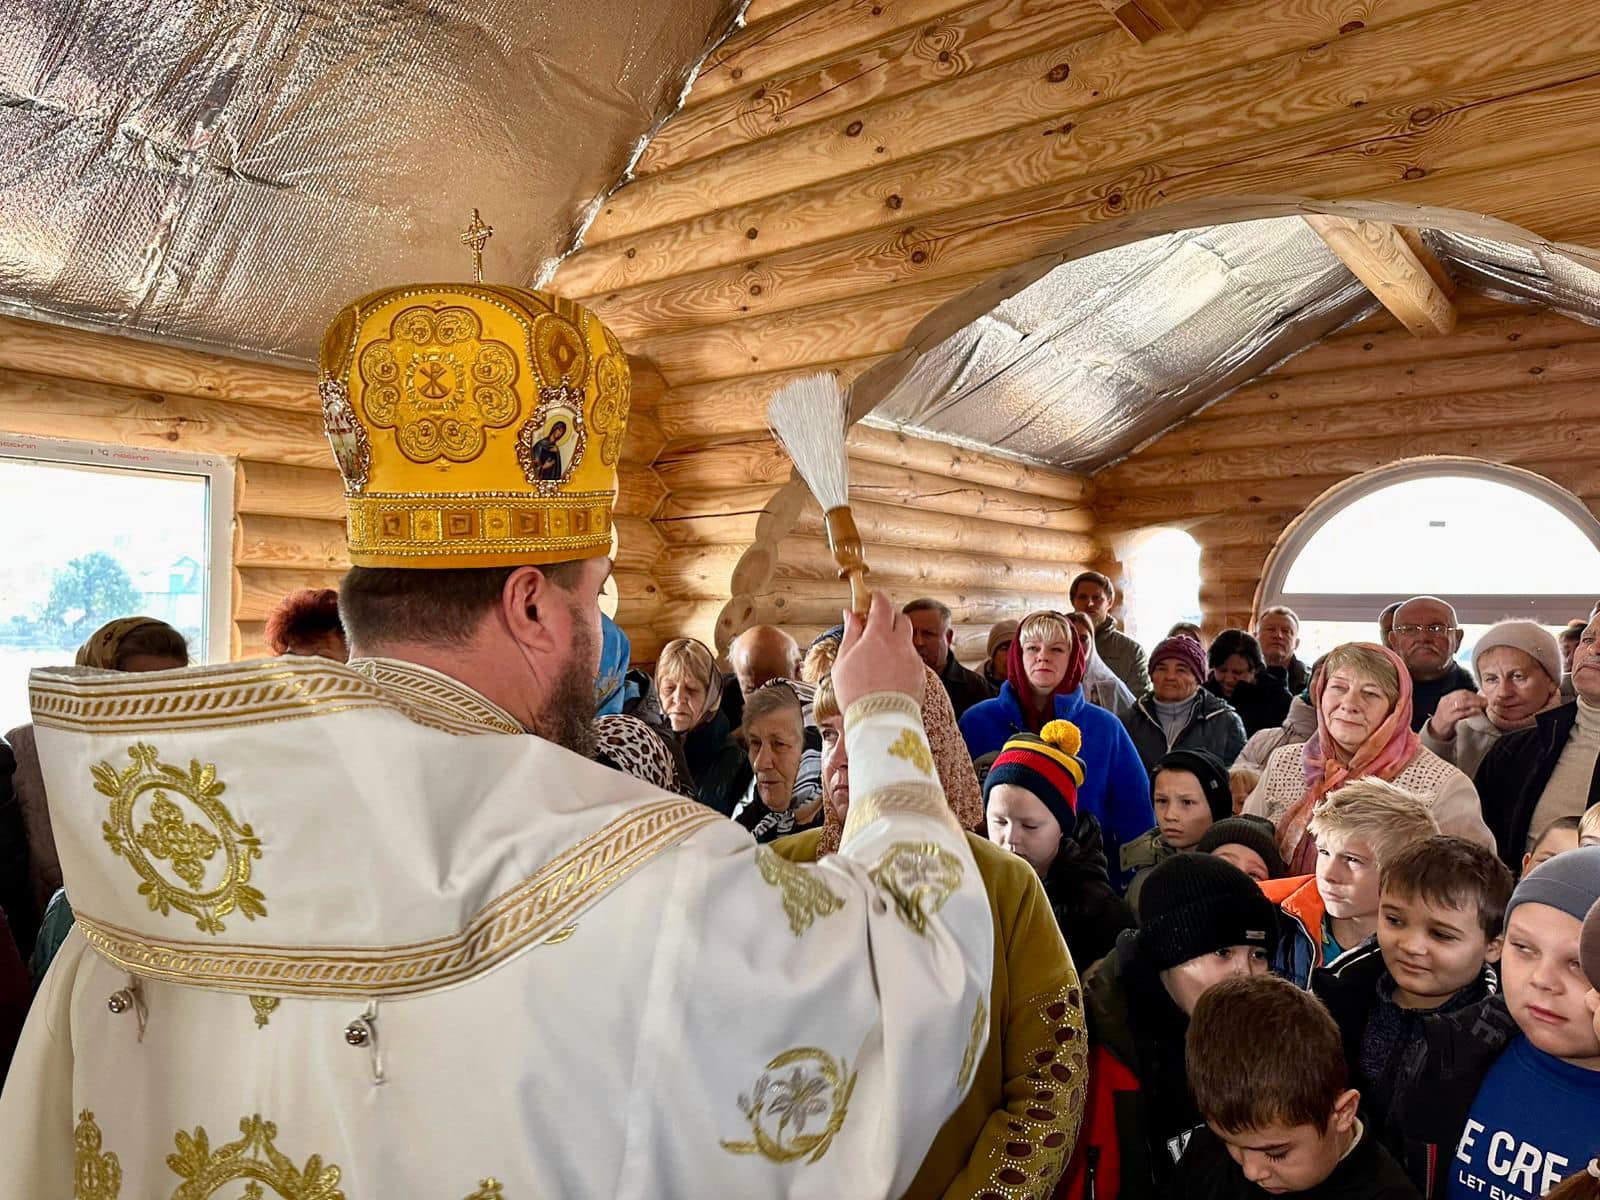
1425,635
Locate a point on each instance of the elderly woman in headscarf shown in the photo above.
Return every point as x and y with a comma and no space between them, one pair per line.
126,644
1362,697
1022,1112
1518,668
1044,682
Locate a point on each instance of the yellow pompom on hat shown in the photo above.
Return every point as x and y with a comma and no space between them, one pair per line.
475,425
1046,764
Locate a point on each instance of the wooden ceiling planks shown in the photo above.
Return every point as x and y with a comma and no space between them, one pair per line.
832,181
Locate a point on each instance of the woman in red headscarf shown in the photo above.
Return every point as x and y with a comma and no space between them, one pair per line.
1044,682
1362,697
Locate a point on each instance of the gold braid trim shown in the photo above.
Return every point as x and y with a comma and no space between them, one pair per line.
1041,1137
896,703
524,916
922,799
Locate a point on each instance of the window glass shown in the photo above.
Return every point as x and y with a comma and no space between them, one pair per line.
1163,571
88,543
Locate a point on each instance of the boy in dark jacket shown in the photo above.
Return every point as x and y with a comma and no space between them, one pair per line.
1441,906
1503,1097
1269,1077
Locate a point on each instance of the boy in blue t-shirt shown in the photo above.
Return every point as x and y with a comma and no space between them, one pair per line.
1502,1101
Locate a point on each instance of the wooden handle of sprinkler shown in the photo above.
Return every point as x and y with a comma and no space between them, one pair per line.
844,539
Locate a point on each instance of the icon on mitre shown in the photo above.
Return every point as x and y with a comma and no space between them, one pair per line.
551,445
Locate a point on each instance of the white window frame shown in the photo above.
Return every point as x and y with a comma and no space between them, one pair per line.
218,472
1474,609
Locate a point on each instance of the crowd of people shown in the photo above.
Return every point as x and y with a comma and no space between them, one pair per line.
1338,923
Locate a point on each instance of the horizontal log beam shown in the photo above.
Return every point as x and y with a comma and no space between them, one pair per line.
1516,446
258,590
803,337
638,545
902,569
1506,370
1511,327
936,52
274,490
248,640
689,503
898,525
1146,19
128,362
640,490
52,406
1392,269
640,602
692,414
780,37
1535,404
933,492
953,462
293,542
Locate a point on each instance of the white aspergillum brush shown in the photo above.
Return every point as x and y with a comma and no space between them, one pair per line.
807,417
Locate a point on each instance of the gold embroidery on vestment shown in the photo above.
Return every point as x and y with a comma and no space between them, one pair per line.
264,1007
878,703
253,1157
805,896
924,799
914,750
169,835
918,877
95,1175
969,1060
488,1189
780,1106
525,915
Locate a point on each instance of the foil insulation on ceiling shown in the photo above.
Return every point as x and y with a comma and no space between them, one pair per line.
1105,352
226,173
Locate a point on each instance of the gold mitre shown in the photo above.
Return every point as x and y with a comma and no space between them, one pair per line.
475,425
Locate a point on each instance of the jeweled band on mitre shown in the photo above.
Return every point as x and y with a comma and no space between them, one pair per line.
474,426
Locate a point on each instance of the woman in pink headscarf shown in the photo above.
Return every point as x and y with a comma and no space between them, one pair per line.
1044,682
1362,697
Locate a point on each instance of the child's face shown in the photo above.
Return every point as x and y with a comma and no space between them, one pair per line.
1240,786
1347,875
1293,1158
1554,842
1188,981
1246,859
1545,987
1432,949
1182,813
1020,822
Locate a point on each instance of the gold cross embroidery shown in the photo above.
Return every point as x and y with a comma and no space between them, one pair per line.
474,237
914,750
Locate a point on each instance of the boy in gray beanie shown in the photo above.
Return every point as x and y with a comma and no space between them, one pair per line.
1529,1059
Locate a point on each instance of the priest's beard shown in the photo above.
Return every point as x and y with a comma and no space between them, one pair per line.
568,716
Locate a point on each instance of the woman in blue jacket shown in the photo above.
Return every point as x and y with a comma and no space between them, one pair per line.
1044,677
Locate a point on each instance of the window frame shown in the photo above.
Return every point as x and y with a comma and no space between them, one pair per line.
1480,608
218,472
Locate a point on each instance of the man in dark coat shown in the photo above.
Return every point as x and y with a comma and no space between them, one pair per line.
934,639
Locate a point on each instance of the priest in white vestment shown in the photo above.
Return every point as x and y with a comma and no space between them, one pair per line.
351,932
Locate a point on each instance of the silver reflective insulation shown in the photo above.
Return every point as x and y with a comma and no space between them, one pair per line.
226,173
1103,353
1106,353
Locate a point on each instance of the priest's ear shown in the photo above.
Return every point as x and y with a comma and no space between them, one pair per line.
537,602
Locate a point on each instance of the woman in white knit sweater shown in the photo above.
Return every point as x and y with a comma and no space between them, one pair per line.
1362,697
1518,668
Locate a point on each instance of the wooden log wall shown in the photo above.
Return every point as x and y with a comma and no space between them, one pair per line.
992,538
843,168
1512,385
288,510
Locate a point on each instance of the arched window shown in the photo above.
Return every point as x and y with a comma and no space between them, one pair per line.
1494,541
1163,572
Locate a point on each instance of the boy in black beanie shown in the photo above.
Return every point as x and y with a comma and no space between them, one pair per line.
1268,1073
1190,792
1201,920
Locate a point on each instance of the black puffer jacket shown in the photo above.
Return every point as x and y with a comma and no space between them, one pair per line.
1513,775
1087,908
1260,705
